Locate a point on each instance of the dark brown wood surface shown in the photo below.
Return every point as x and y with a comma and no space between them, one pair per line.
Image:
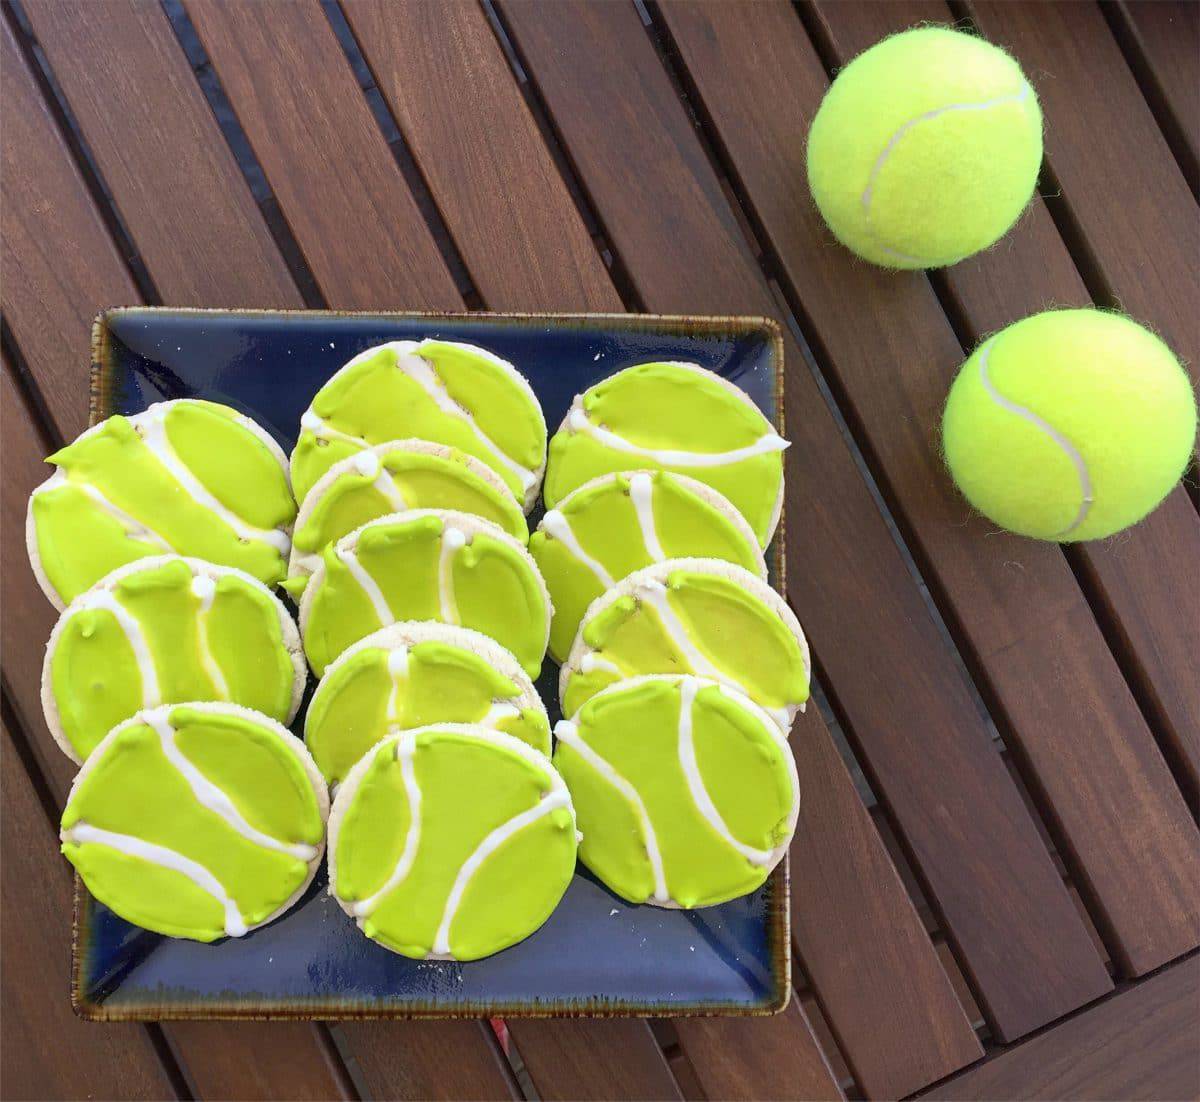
1141,1044
509,158
641,156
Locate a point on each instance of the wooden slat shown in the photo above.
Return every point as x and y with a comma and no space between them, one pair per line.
754,1058
487,191
196,215
422,1060
1146,595
1162,43
59,268
1119,179
1138,1044
359,230
886,667
892,976
601,1059
1028,632
47,1051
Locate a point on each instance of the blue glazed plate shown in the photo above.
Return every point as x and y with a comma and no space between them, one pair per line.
597,954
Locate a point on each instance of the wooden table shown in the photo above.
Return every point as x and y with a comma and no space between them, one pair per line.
996,870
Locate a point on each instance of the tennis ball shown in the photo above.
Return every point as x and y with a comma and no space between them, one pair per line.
925,149
1069,425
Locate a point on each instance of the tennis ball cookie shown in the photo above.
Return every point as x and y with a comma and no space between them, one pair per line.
426,564
685,790
185,477
618,523
698,616
675,417
925,149
197,820
389,478
1069,425
451,842
167,630
413,675
453,394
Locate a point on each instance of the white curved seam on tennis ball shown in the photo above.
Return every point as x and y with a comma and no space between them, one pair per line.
86,834
212,797
889,147
368,465
590,662
567,732
148,671
498,712
654,593
417,368
406,748
669,457
1069,449
557,526
154,435
699,792
318,426
453,541
397,668
134,528
205,590
367,584
641,493
489,845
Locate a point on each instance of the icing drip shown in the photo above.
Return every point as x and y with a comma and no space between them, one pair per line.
641,493
555,525
691,769
84,834
489,845
205,589
103,599
153,431
367,584
211,797
406,747
567,732
669,457
453,541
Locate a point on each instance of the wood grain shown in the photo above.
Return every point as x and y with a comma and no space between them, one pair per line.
883,662
129,86
755,1058
1138,1044
481,154
324,155
47,1051
1025,627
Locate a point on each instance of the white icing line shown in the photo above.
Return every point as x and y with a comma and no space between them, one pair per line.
211,797
397,667
869,191
312,422
367,584
153,431
764,445
1072,453
453,541
406,747
567,732
134,528
590,662
368,465
691,769
654,593
489,845
641,493
499,712
205,589
103,599
85,834
555,525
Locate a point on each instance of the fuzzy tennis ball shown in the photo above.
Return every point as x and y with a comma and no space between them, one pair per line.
1069,425
925,149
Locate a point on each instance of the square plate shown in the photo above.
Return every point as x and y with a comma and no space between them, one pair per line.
596,954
